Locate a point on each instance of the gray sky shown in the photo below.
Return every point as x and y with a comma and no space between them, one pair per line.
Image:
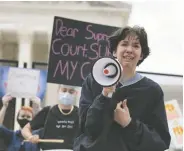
163,22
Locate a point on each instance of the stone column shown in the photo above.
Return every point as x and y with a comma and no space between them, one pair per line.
24,56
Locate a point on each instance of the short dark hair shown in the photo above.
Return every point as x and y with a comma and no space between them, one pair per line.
122,33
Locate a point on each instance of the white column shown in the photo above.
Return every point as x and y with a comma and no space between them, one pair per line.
25,48
25,55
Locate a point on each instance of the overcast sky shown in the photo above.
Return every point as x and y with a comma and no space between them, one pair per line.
163,21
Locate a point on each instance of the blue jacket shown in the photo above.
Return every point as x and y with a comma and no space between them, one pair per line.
14,140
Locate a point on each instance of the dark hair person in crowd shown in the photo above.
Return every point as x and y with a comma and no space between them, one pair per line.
134,116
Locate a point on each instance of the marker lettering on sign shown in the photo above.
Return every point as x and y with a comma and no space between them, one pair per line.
63,68
54,43
95,36
68,68
64,31
84,65
66,49
99,51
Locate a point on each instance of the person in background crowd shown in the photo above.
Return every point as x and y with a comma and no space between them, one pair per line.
14,139
59,121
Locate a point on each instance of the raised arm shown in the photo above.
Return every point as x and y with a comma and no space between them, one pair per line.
5,100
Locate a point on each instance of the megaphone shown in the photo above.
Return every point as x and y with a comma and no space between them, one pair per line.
106,71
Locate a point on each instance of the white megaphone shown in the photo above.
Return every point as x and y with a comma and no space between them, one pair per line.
106,71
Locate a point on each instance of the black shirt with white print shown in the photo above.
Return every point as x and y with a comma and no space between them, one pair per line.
57,126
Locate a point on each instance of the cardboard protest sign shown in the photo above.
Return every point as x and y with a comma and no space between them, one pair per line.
176,131
172,109
175,122
75,45
4,71
22,82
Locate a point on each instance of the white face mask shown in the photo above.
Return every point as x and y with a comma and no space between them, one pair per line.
66,98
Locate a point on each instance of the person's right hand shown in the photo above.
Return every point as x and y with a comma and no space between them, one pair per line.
6,99
36,101
34,139
108,91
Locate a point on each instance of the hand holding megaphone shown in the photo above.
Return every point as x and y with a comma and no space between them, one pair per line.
108,91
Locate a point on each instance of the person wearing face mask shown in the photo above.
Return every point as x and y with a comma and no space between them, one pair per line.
133,118
14,139
24,116
58,122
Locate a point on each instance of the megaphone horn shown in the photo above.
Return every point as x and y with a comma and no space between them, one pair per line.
110,70
106,71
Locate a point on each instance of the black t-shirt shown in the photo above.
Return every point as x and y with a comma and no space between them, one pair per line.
57,126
